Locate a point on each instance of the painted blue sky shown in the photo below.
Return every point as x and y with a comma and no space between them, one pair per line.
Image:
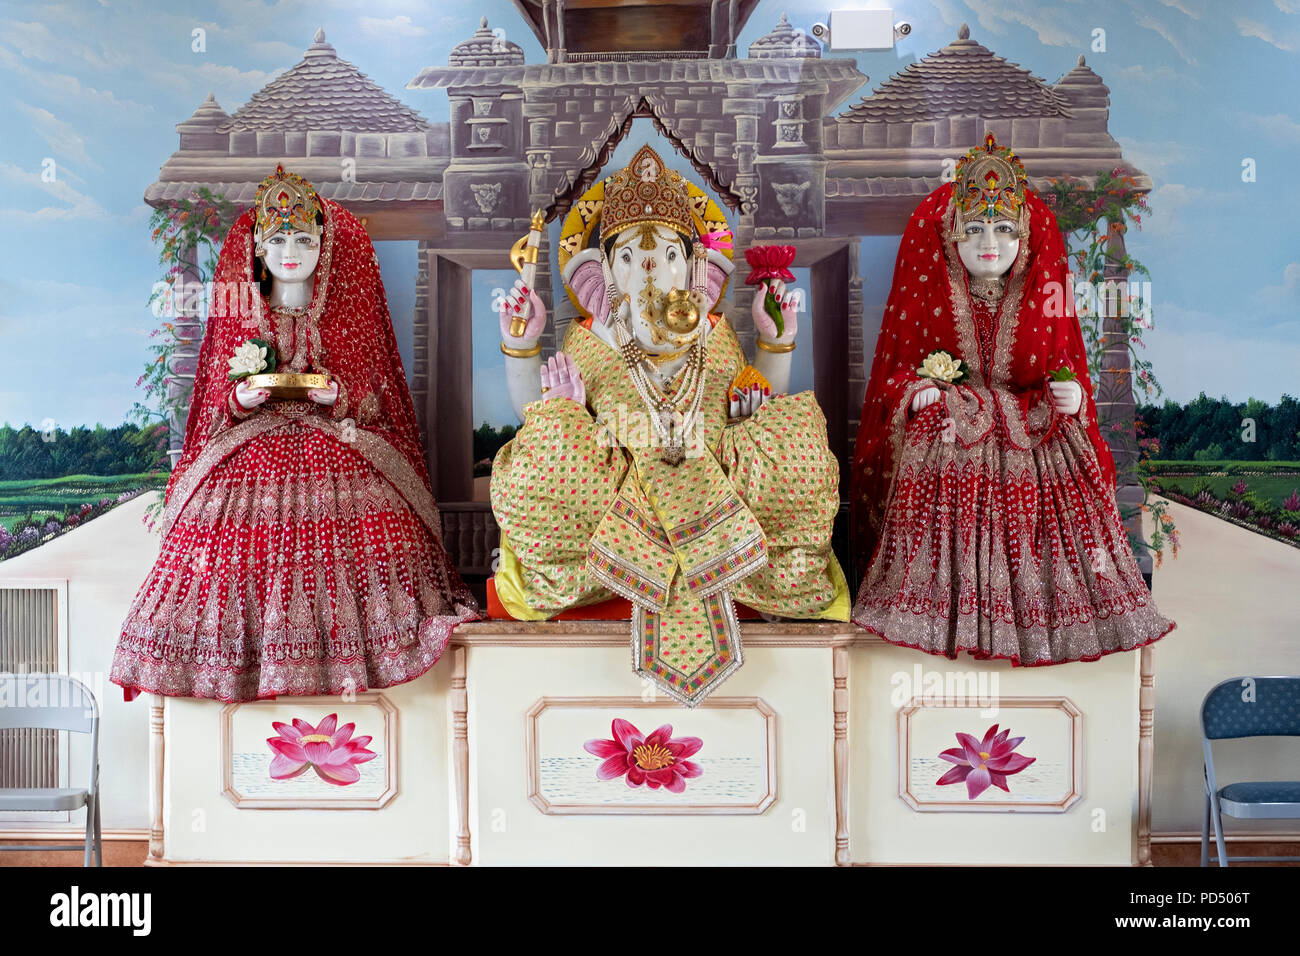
1196,88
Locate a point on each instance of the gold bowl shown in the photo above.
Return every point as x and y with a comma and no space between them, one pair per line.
295,385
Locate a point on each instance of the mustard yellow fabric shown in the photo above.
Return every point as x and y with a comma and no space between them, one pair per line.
587,508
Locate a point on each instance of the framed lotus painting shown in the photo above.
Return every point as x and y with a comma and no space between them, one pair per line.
299,753
1026,756
598,755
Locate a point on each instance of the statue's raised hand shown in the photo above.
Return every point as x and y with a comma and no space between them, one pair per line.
766,325
561,379
512,307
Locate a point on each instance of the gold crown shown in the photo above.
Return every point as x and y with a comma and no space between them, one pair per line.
285,202
646,191
989,183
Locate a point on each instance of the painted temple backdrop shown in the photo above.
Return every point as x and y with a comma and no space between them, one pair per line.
445,131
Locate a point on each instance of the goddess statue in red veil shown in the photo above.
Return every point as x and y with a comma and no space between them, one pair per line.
301,549
983,491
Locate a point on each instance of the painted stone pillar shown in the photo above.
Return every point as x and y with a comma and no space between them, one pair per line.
1116,406
187,304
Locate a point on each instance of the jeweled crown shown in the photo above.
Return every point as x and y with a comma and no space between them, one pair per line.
646,191
989,183
285,202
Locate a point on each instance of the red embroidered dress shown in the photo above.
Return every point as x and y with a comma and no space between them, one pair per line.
989,517
301,549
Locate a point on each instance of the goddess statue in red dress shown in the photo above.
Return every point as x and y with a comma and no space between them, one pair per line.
983,492
301,549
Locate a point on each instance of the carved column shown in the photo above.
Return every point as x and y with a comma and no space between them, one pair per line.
156,776
451,429
420,349
1116,408
460,754
188,305
840,669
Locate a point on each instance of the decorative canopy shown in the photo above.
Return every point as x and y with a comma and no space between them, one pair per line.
963,78
487,47
326,93
785,41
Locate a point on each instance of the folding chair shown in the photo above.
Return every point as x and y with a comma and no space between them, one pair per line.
1248,707
54,702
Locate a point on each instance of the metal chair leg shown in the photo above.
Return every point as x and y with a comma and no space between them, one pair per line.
99,835
90,829
1218,831
1205,832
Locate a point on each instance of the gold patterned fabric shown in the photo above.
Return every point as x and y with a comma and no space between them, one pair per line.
588,509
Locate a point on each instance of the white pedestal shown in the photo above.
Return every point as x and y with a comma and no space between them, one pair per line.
821,749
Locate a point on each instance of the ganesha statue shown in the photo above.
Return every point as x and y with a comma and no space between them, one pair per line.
654,463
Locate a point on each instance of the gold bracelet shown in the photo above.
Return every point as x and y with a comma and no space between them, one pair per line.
522,353
779,348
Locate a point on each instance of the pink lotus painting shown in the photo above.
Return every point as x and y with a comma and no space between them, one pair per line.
655,760
984,763
327,748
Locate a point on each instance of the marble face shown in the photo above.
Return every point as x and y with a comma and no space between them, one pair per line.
648,262
990,248
291,256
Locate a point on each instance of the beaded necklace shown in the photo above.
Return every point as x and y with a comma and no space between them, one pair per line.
673,416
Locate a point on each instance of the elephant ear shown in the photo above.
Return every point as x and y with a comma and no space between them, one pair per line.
584,275
716,274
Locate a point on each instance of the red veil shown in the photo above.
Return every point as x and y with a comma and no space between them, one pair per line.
345,331
1036,323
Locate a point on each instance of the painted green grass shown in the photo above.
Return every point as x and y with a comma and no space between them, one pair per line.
52,496
1274,488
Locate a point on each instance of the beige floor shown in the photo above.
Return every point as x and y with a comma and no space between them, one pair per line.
132,853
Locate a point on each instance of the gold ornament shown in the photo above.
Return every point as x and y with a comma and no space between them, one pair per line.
646,191
988,184
285,202
521,353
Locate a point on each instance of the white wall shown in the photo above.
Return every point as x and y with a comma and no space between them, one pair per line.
104,563
1235,596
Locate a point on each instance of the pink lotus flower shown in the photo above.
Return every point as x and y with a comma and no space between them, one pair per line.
981,763
657,760
769,262
328,749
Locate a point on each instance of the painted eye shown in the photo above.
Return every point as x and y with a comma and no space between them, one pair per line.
672,254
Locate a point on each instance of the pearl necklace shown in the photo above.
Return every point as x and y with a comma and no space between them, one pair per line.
675,416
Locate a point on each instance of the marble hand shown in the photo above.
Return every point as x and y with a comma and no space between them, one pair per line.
250,398
1067,397
748,399
325,396
789,299
926,397
561,379
511,307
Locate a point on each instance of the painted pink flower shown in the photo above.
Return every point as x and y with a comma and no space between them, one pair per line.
327,748
655,760
984,763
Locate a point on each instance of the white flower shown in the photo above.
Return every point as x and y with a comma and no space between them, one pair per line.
941,366
248,359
